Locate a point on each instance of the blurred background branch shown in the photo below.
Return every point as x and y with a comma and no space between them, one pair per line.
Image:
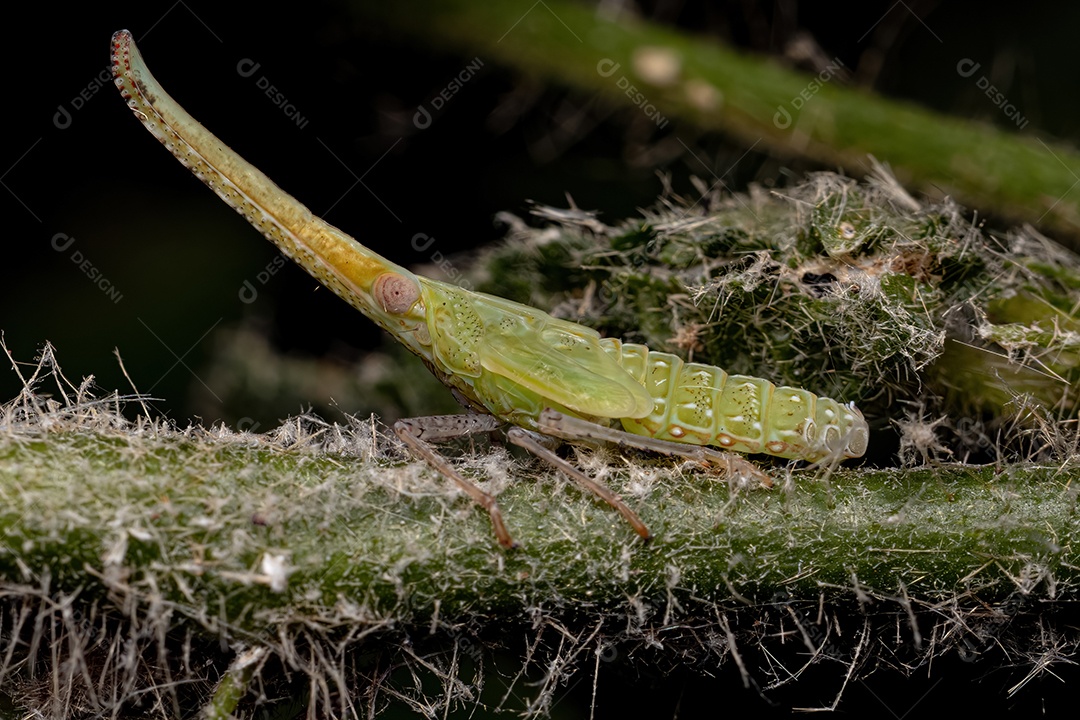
812,111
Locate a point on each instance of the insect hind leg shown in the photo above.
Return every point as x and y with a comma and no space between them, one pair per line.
736,467
525,439
419,433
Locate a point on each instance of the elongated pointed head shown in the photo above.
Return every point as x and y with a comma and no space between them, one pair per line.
385,292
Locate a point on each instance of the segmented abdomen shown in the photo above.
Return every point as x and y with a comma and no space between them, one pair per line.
703,405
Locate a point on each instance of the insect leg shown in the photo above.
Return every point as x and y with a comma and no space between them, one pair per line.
419,433
571,428
523,438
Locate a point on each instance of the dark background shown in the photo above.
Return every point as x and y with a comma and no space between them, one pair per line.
178,257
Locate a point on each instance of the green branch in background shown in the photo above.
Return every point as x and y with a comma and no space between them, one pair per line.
674,76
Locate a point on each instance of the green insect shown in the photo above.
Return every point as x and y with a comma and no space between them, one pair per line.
506,362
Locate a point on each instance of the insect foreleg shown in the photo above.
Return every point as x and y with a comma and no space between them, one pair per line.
525,439
418,433
571,428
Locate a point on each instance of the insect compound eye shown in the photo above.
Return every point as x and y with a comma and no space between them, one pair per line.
395,293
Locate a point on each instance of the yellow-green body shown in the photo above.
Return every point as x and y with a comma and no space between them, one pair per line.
501,357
